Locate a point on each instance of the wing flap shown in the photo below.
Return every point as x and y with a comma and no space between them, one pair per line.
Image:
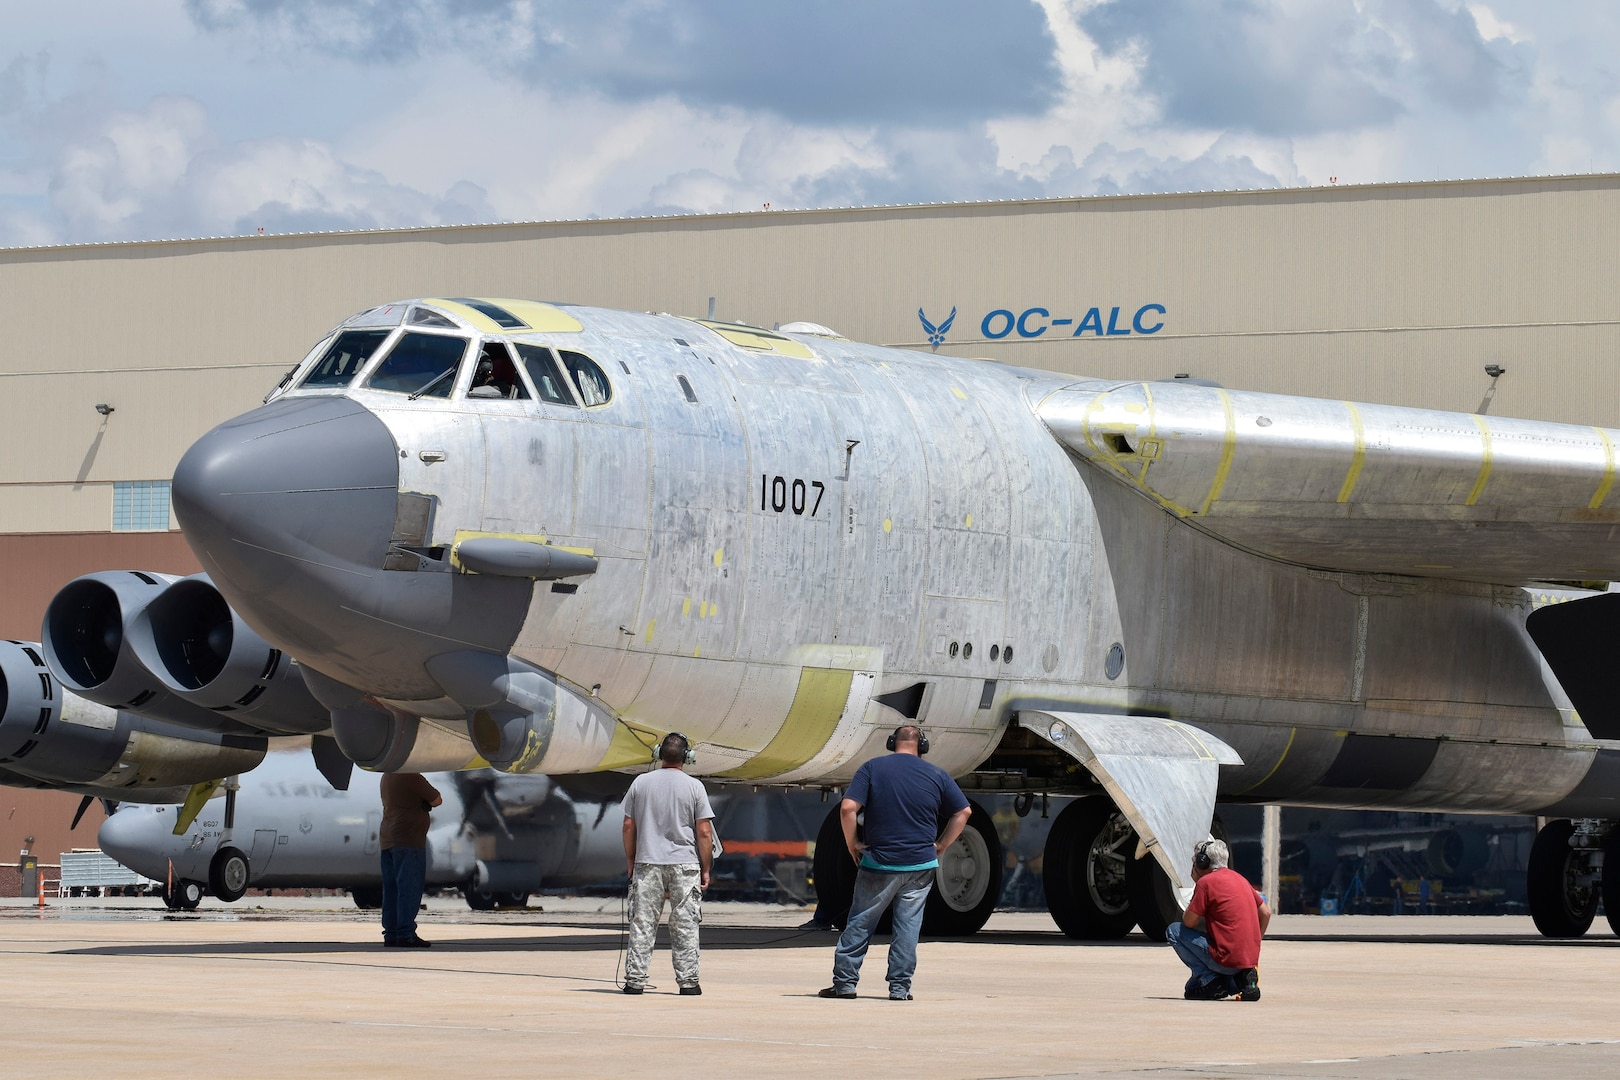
1367,488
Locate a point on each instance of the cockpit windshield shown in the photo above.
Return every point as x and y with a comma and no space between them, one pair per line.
344,358
421,365
591,380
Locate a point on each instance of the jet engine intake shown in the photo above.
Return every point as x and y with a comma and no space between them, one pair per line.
86,644
201,651
64,740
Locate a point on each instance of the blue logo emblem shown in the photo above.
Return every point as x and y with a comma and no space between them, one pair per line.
936,334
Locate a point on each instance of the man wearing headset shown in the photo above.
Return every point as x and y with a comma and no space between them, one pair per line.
669,846
905,799
1219,938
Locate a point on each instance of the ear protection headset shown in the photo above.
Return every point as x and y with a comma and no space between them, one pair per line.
922,740
678,741
1201,857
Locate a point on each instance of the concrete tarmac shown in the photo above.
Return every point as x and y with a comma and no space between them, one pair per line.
283,987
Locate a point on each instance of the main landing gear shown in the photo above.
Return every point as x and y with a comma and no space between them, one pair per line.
966,886
1565,878
1096,887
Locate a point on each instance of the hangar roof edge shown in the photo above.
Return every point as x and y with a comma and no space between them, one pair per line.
753,216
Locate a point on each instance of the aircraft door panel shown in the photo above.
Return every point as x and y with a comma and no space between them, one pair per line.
442,453
263,851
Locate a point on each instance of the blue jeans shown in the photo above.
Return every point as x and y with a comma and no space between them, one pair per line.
1193,948
404,871
875,890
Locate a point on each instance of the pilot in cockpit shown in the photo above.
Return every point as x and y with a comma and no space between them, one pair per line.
494,377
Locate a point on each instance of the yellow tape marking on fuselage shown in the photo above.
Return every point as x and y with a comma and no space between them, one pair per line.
1228,451
1608,471
1485,461
810,721
1111,460
1358,456
631,745
1293,731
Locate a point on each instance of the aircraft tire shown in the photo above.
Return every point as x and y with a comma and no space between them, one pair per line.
366,897
479,899
512,899
834,870
1611,882
1560,907
1154,902
967,885
228,875
185,896
1086,862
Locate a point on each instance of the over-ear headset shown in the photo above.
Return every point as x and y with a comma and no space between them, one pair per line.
1201,857
677,741
922,739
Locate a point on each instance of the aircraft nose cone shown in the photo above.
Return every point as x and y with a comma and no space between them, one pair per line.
312,481
124,835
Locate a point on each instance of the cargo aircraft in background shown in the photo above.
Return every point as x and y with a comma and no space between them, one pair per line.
537,537
497,837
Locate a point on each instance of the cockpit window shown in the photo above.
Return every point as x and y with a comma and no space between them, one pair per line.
421,365
591,380
346,355
422,316
545,374
496,376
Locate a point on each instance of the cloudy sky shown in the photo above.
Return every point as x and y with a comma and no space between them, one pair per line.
140,119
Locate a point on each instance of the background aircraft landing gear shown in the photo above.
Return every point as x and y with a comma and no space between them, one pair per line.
1088,853
484,900
366,897
1561,881
185,896
228,874
966,888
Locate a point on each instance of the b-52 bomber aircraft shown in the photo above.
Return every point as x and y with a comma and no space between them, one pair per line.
541,536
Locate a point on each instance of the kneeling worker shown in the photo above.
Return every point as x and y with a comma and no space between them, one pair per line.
1219,940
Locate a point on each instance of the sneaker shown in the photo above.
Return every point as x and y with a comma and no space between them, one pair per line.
692,991
412,943
1216,989
834,992
1248,984
904,996
632,988
814,925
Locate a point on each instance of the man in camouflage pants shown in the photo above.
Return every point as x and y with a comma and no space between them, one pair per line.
669,846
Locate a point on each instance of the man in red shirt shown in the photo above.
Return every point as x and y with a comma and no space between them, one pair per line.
1219,938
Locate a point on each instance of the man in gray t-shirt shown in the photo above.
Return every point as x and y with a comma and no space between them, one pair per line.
668,846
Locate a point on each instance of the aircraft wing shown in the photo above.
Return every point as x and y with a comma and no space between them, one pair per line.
1367,488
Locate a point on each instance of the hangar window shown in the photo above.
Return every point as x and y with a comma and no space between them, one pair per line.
591,380
496,376
344,358
420,365
545,374
141,506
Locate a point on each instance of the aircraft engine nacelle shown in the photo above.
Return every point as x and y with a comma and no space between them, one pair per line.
64,740
201,651
520,718
87,647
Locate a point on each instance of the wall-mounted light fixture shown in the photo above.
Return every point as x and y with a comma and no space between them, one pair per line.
1495,371
104,409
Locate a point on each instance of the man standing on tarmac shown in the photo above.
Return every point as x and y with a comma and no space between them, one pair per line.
1219,939
669,846
408,801
905,799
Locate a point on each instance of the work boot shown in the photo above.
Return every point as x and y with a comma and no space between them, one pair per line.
1216,989
1248,984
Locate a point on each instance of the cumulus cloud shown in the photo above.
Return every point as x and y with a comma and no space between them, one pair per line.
819,61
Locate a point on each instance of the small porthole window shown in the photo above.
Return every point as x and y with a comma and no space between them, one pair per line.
1006,655
955,648
995,653
686,388
967,651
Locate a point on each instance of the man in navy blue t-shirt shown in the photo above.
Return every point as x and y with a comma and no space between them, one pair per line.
905,799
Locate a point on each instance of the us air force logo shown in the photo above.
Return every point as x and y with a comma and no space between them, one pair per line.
936,334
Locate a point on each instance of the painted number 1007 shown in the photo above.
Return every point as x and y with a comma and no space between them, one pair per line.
781,494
